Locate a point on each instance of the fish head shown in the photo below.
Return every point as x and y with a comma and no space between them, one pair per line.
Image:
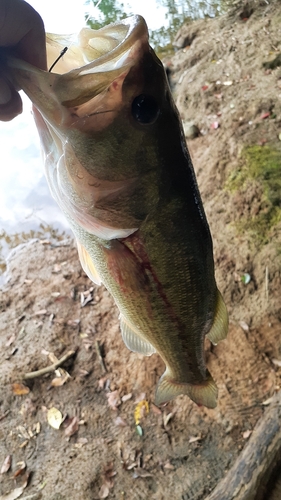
106,120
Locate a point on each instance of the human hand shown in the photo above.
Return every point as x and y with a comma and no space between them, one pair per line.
22,31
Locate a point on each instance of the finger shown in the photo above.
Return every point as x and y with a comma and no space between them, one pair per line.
10,101
23,30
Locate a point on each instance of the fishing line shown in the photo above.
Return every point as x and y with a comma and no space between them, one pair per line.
58,58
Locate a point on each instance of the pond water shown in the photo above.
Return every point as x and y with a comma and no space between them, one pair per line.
26,207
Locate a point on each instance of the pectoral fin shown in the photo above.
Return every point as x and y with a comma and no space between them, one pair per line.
133,341
220,325
202,394
87,264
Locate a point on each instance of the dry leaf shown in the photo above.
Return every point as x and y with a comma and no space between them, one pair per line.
120,422
10,340
194,439
102,382
40,313
126,397
54,418
168,465
155,409
6,464
141,410
72,427
21,469
140,398
268,401
113,399
246,434
81,442
276,362
244,326
20,389
104,491
167,418
139,472
17,492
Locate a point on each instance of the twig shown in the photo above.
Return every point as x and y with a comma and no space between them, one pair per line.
49,369
100,357
4,415
266,283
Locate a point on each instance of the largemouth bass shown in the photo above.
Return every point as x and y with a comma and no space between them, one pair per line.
117,164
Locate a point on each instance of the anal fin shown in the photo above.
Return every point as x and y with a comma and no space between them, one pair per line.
133,341
204,393
220,325
87,264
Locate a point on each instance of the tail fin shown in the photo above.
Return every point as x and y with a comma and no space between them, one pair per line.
204,393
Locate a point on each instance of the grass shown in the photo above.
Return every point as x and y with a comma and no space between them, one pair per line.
260,165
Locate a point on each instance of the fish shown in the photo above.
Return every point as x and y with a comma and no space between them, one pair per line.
117,164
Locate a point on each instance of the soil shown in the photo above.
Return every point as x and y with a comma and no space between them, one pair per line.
49,307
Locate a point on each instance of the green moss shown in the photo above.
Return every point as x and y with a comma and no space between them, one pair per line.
260,165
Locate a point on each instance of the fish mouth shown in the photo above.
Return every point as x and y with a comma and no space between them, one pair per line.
96,50
83,98
94,59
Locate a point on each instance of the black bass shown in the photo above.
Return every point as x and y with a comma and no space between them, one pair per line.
118,166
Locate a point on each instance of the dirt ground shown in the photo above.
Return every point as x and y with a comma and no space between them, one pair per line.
49,307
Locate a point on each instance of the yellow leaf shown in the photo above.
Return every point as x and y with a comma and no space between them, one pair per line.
141,410
54,418
20,389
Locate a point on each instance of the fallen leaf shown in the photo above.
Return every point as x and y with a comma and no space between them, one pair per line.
139,430
41,312
194,439
140,397
113,399
168,465
244,326
72,427
20,389
167,418
246,278
120,422
139,472
265,115
17,492
81,442
20,470
141,410
56,269
215,125
205,87
268,401
6,464
276,362
104,491
155,409
54,418
126,397
246,434
10,340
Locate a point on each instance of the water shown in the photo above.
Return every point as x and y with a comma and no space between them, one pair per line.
26,207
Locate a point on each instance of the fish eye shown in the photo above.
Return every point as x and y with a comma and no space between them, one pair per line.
145,109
